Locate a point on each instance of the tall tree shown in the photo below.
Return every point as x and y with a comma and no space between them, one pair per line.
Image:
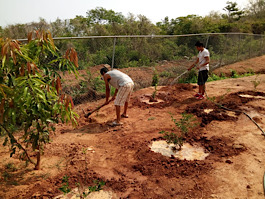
256,9
233,12
102,16
78,26
17,31
59,28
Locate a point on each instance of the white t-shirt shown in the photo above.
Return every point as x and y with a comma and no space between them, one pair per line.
202,60
118,78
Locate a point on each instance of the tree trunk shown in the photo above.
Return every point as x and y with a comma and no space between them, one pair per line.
37,166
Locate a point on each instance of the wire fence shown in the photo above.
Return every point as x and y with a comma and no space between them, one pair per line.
143,56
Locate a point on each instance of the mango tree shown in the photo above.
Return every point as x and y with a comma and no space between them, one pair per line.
31,99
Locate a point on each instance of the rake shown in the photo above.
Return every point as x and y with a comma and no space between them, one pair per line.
178,77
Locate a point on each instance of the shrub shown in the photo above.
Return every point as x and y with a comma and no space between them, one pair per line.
185,124
31,97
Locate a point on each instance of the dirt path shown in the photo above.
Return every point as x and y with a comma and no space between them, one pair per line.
121,156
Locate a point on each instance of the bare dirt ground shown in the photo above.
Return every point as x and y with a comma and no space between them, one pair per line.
121,156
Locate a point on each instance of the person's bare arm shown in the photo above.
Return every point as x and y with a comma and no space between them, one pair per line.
106,79
115,94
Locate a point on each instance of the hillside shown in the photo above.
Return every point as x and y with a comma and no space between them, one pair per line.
122,158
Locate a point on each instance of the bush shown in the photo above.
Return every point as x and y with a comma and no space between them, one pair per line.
185,124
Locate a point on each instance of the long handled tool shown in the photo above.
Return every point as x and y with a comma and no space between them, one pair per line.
178,77
96,109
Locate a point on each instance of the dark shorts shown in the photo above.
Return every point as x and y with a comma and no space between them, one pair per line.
202,77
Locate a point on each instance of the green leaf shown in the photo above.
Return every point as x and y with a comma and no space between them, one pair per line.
25,93
3,61
5,142
13,152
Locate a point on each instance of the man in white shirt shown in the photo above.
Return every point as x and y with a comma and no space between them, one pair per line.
124,87
202,62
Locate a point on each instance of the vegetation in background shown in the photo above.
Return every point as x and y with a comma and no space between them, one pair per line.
193,75
134,52
31,100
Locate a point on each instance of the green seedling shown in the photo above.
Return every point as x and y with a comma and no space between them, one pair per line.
185,124
97,187
11,167
255,83
155,78
6,175
65,185
84,150
151,118
154,93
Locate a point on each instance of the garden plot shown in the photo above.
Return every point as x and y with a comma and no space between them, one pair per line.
122,158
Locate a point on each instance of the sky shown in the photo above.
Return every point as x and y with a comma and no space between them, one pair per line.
25,11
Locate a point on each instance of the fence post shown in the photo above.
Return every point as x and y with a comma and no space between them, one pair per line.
113,53
207,41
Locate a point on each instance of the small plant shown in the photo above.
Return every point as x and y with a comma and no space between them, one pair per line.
65,185
185,124
151,118
212,99
6,175
11,167
173,138
84,150
97,187
153,96
234,74
154,83
155,79
256,83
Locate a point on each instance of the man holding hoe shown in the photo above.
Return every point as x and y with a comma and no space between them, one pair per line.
202,62
124,87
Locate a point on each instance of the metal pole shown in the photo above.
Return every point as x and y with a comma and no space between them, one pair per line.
207,41
113,53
